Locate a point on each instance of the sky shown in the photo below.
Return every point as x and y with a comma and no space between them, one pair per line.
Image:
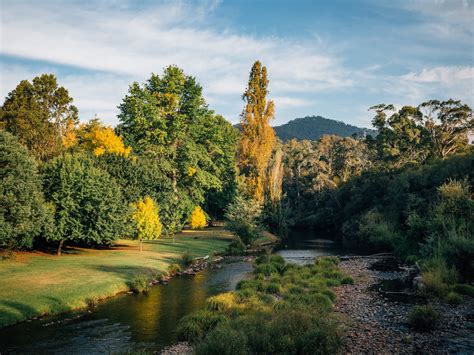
331,58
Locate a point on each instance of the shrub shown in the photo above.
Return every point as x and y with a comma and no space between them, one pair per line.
197,219
437,277
139,284
347,280
186,259
223,340
24,214
464,289
194,326
454,298
273,288
221,302
423,318
147,220
236,247
321,338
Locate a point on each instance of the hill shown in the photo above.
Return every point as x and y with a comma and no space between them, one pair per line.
313,127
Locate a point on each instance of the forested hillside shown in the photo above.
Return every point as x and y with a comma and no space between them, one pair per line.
314,127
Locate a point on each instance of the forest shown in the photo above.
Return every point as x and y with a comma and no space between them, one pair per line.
172,163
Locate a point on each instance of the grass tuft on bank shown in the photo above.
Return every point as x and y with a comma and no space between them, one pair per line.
35,283
285,308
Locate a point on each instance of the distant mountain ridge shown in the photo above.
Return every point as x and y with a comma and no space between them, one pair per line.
313,127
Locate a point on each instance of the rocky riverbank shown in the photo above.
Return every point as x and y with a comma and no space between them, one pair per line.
378,324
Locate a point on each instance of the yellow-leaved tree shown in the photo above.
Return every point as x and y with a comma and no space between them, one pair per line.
198,218
145,215
101,139
257,138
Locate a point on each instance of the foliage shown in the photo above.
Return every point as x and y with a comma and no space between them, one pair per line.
168,121
24,215
288,311
139,284
236,247
145,215
198,218
243,218
100,139
414,134
257,138
88,203
39,114
423,318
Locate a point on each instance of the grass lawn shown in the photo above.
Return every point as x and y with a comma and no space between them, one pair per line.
36,283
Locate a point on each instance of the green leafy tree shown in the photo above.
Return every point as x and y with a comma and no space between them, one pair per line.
448,124
400,139
88,203
168,121
24,214
40,114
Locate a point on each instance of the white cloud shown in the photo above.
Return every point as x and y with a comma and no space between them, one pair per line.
434,83
132,44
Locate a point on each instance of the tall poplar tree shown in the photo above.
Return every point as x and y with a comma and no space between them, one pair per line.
258,138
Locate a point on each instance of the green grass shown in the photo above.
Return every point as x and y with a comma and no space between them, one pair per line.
284,309
35,283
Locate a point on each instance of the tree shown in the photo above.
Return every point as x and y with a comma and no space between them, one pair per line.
167,120
243,218
257,138
88,203
24,214
101,139
448,124
198,218
145,214
400,139
39,114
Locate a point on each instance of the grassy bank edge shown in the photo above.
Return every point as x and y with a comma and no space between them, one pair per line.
19,302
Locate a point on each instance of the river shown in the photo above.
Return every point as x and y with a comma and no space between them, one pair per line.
127,323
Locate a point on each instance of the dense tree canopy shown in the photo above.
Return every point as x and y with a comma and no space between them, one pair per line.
24,215
39,114
88,204
167,120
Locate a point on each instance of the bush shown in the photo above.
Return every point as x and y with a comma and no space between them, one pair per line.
464,289
347,281
186,259
454,298
423,318
437,277
194,326
139,284
221,302
236,247
197,219
24,214
223,340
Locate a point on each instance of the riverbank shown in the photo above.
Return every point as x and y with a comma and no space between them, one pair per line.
376,324
41,284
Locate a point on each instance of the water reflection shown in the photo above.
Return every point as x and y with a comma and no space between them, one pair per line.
302,246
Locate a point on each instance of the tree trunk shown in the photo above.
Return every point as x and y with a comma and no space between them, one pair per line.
60,247
141,245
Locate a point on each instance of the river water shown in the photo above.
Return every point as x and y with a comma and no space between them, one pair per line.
128,323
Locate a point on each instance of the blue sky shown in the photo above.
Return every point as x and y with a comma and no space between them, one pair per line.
331,58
